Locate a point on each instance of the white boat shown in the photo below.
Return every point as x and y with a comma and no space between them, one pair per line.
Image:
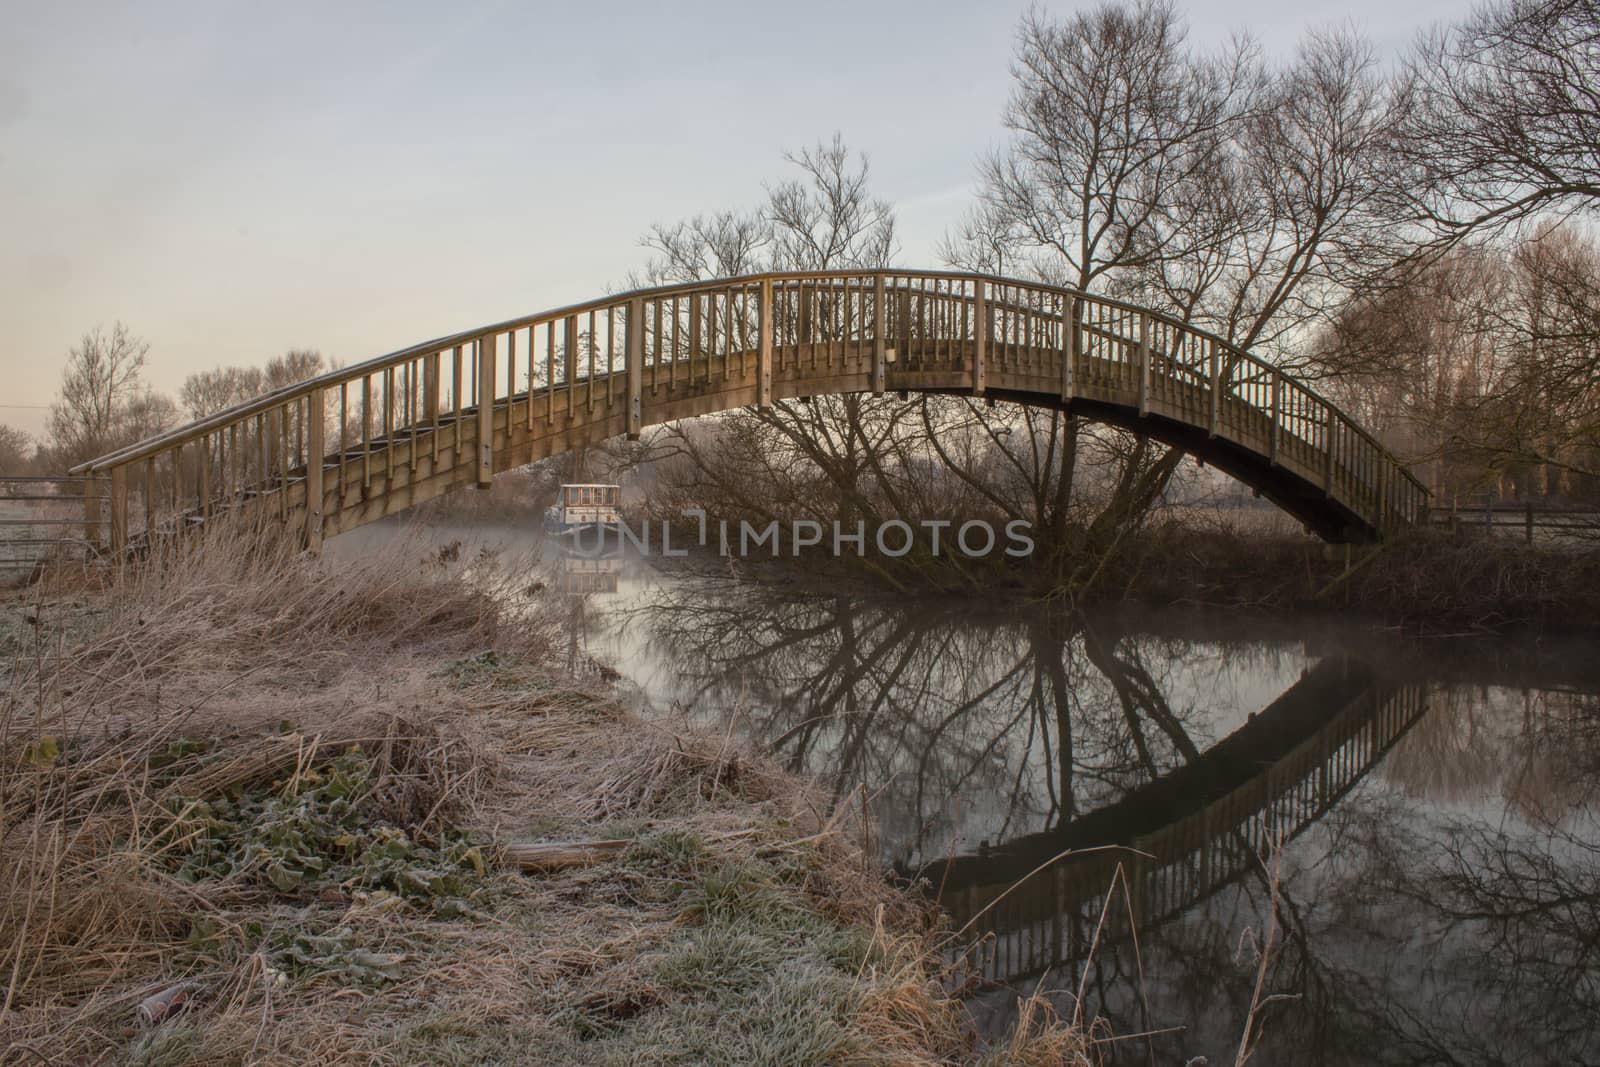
585,505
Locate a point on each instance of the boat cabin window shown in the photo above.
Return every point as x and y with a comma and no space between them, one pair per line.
578,495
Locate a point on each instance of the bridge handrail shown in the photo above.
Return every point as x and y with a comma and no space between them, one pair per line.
181,434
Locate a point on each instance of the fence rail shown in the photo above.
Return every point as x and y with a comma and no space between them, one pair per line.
51,520
1532,522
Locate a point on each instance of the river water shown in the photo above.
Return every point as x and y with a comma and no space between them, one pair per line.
1177,826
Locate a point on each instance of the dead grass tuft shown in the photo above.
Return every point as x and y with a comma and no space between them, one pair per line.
280,785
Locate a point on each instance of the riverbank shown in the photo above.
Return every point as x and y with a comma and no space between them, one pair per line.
1423,582
258,810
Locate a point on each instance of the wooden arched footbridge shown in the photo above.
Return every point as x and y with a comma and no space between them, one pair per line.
369,440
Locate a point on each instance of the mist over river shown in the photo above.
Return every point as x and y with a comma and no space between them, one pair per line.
1123,806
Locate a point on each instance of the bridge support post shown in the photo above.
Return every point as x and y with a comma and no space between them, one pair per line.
570,358
635,356
764,348
980,336
879,341
1069,354
1380,505
119,511
486,408
314,453
694,337
1327,471
91,511
1277,400
1144,364
902,328
203,474
1216,390
430,389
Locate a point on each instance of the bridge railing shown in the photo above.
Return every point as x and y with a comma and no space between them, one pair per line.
435,405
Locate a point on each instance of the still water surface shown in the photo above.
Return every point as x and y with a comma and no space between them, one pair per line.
1119,808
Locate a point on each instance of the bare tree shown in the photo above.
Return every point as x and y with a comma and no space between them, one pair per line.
1110,111
210,391
296,365
1479,363
715,246
825,458
827,219
16,451
145,414
101,377
1545,413
1245,197
1412,357
1242,196
1290,210
1501,117
1115,125
205,393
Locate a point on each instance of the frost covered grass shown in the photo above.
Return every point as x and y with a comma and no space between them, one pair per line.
286,788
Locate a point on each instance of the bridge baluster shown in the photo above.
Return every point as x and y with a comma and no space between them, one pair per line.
764,354
344,446
1330,445
119,510
949,319
281,445
203,476
656,342
902,330
879,342
174,501
149,496
533,381
590,348
388,427
981,327
1216,388
635,366
1143,355
1069,361
1277,400
727,333
314,452
803,325
511,378
569,359
994,329
694,337
485,347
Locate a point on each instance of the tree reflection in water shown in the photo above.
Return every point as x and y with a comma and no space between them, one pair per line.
1441,908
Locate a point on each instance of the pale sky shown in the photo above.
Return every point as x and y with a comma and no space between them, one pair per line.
234,180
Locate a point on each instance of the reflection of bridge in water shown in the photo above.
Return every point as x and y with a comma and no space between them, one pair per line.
1185,835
